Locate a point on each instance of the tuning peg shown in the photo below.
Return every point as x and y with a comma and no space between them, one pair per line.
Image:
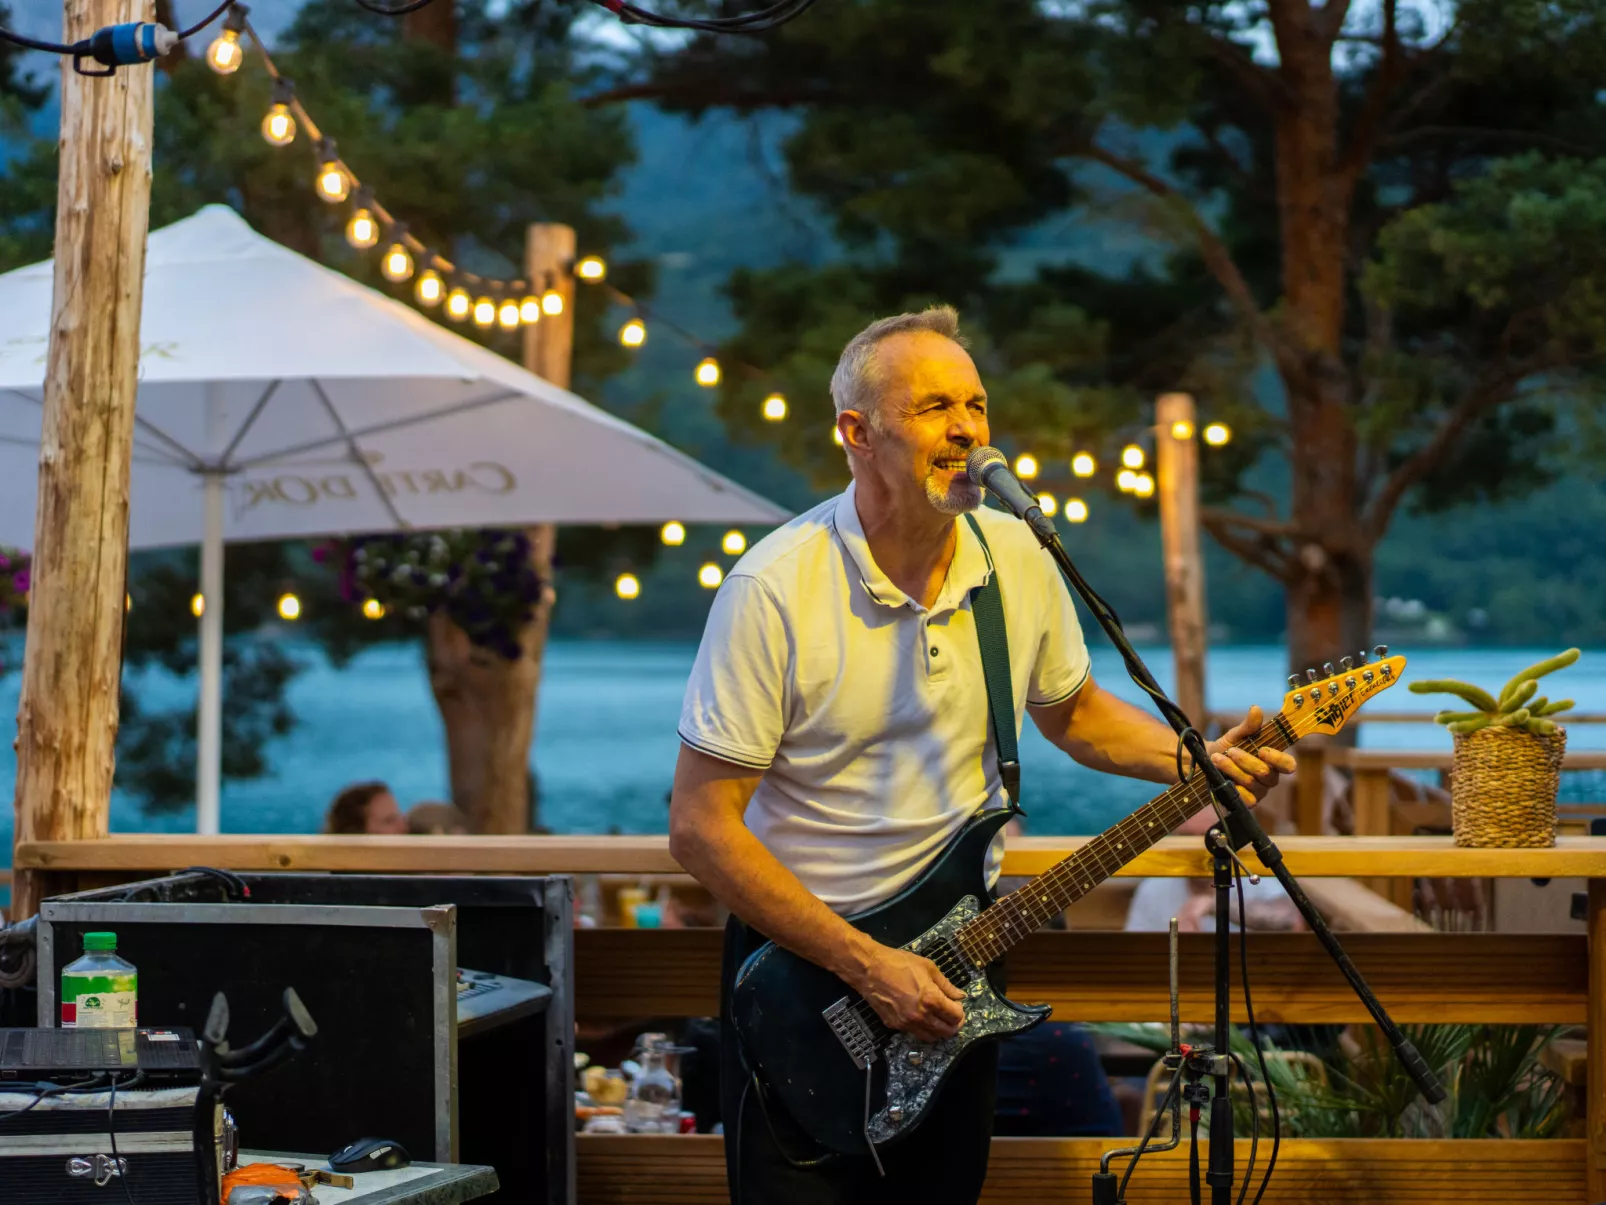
1346,662
1363,657
1381,651
1293,680
1310,675
1327,669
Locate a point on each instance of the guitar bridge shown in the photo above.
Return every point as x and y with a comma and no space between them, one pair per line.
852,1031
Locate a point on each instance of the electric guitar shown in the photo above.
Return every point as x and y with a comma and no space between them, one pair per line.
812,1043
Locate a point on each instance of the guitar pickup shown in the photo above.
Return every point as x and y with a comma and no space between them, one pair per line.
852,1031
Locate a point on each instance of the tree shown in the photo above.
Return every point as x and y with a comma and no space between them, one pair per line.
1379,240
469,130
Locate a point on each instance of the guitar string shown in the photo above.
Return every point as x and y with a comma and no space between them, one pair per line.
1192,791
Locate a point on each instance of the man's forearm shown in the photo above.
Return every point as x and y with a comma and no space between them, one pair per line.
1110,734
743,875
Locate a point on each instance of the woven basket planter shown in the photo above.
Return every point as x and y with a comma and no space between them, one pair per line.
1503,787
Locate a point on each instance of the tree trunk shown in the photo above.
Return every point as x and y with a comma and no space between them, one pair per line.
72,660
487,705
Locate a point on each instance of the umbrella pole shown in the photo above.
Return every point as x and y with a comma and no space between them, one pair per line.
209,728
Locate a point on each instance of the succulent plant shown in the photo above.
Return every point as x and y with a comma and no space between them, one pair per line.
1519,704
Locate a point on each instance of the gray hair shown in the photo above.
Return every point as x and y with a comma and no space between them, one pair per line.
856,383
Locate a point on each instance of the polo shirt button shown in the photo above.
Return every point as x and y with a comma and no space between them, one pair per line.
933,650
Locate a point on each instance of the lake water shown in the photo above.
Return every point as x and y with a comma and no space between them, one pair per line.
605,747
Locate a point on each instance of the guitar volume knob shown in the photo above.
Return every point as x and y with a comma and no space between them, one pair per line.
914,1058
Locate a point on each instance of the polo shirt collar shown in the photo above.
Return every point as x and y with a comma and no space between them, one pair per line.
971,566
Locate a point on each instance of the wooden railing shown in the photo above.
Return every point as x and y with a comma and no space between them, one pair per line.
1429,976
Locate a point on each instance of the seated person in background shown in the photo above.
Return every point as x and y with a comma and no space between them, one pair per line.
434,818
365,808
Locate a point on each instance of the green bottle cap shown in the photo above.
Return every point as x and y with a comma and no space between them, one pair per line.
100,941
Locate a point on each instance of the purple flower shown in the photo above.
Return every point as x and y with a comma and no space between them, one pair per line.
5,561
20,581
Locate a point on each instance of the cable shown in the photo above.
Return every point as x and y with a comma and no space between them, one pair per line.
1260,1054
1154,1128
124,52
111,1132
44,1089
202,24
760,20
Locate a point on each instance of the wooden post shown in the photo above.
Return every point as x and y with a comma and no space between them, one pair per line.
67,719
487,702
1176,457
1595,1053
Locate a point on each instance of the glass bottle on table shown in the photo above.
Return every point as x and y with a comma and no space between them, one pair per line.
654,1103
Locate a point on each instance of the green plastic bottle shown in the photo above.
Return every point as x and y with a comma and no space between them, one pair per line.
99,990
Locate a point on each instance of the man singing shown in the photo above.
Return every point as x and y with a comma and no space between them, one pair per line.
835,736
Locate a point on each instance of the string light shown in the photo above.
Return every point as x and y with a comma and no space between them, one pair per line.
708,372
333,183
633,333
1025,466
484,312
1143,486
279,126
1132,456
1075,510
673,533
592,268
507,314
552,303
774,409
1083,464
397,265
1126,480
530,309
1217,434
1182,429
458,304
373,609
627,586
430,288
289,607
734,543
1046,504
362,231
225,54
710,575
197,605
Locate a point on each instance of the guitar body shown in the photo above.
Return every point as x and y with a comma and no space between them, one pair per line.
804,1062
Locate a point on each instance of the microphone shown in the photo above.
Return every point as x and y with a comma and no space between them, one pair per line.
989,468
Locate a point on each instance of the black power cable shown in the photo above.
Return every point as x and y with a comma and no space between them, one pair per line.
760,20
1260,1054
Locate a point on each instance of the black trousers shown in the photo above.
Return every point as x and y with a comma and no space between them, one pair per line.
942,1163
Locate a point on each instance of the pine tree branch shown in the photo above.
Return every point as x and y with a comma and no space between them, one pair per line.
1263,552
1529,137
1330,18
1231,518
1390,74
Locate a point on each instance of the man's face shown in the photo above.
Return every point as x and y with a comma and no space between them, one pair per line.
383,815
933,411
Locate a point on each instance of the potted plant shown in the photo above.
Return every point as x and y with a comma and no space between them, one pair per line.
1508,754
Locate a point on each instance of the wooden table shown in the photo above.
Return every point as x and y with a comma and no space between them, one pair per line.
1093,976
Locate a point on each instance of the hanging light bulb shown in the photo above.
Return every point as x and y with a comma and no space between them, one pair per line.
591,268
289,606
397,265
333,183
197,605
552,302
1126,481
530,309
430,288
708,372
362,230
633,333
673,533
774,408
225,54
710,575
1143,486
734,543
1025,466
627,586
1132,456
1075,510
507,314
484,311
1083,464
1217,434
279,126
372,608
458,303
1182,429
1046,504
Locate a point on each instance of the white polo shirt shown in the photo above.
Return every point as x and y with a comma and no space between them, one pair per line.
866,711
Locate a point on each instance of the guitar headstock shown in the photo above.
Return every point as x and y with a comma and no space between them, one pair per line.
1325,703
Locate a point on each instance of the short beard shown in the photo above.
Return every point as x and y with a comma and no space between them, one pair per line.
961,497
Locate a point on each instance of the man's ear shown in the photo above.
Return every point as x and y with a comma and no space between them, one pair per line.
855,432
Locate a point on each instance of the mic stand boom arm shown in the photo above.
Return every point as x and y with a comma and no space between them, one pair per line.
1241,827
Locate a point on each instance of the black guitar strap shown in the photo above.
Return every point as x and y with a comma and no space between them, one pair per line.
987,605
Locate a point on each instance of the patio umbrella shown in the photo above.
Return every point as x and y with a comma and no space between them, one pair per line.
281,400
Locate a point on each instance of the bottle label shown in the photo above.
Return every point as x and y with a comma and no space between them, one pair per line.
99,1001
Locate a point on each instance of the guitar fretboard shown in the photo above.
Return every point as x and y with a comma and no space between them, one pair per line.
1027,909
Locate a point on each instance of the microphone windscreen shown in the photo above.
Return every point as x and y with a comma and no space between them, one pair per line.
980,458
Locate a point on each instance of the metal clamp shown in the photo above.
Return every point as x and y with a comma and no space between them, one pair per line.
101,1167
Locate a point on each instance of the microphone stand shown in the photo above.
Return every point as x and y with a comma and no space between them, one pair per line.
1239,827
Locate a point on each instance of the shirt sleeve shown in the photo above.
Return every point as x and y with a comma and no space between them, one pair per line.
737,698
1062,663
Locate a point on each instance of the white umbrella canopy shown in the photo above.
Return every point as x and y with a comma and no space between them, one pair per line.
279,399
